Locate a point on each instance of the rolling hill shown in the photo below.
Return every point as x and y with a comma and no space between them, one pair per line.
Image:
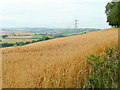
54,63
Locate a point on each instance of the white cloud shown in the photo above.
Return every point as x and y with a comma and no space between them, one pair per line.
53,13
38,1
5,17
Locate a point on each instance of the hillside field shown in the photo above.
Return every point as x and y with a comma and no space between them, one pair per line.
54,63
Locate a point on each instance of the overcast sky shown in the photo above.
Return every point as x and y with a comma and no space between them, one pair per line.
53,13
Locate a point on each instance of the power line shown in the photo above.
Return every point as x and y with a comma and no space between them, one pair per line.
76,24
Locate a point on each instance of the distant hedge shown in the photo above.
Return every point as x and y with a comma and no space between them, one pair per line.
2,45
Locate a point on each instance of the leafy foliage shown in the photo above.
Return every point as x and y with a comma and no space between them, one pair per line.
4,36
113,13
104,71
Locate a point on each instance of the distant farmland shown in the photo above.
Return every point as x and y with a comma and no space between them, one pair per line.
54,63
26,37
14,40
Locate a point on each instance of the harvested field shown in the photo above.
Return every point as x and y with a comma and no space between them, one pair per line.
54,63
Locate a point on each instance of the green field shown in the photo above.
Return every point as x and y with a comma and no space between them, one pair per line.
37,36
16,40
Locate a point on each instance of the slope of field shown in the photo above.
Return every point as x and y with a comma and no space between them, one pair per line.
54,63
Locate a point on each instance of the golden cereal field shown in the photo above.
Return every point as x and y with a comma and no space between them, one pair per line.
55,63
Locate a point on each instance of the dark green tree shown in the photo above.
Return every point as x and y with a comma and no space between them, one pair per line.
113,14
4,36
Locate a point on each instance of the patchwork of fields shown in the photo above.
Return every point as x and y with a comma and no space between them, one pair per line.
54,63
14,40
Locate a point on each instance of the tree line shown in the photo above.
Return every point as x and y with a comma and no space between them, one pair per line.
22,43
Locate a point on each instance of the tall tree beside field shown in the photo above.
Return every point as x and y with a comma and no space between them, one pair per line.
113,13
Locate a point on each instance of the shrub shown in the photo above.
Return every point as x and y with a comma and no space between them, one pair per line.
6,45
4,36
104,71
46,38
